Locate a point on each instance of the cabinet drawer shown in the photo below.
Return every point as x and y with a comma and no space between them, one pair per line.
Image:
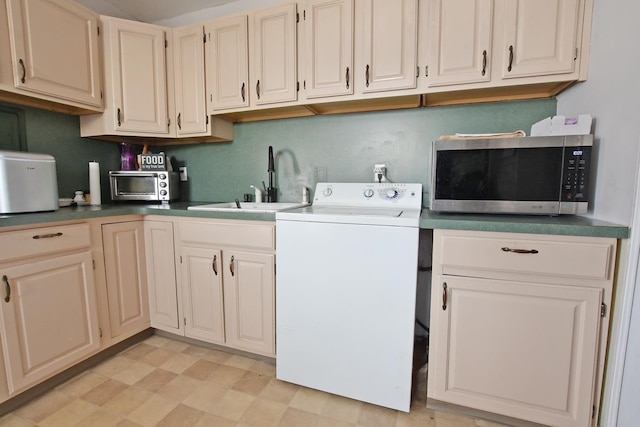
495,253
41,241
250,235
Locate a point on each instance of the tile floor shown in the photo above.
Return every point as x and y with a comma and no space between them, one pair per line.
164,382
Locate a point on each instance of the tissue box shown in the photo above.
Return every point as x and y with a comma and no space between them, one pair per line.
561,125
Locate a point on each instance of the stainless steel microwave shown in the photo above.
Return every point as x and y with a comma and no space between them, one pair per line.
149,186
533,175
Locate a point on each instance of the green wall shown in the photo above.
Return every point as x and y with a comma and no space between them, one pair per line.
308,150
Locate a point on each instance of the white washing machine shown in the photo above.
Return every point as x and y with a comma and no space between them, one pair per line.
346,290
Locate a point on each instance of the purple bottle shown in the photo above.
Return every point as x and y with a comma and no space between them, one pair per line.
127,158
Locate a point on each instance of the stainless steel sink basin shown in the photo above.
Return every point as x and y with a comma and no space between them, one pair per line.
248,207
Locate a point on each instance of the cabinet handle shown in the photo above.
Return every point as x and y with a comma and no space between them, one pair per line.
118,117
214,264
233,273
444,296
484,62
7,289
46,236
180,121
510,58
23,78
347,77
366,75
258,89
520,251
242,92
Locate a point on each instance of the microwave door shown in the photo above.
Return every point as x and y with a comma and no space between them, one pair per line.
498,180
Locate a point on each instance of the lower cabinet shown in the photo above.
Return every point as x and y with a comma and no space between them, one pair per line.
126,275
49,313
519,324
225,288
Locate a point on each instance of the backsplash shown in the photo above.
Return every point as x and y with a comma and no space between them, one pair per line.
307,150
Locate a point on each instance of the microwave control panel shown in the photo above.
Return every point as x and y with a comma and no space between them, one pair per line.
575,174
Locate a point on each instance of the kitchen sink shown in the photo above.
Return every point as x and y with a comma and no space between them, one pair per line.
248,207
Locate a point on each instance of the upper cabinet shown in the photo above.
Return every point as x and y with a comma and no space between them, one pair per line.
328,47
516,48
191,109
227,63
389,44
272,46
539,37
460,35
53,49
154,85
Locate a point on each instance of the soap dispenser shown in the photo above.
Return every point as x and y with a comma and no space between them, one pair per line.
258,193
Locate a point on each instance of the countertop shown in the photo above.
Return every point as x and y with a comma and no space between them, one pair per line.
560,225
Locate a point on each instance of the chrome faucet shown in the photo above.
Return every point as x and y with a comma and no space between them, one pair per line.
271,190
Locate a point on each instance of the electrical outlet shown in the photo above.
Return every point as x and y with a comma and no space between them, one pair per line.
183,173
379,172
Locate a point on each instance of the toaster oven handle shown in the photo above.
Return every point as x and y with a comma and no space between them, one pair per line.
47,236
7,288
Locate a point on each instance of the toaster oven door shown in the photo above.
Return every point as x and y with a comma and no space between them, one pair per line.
140,186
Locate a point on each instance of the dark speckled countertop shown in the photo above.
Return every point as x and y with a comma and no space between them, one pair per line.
562,225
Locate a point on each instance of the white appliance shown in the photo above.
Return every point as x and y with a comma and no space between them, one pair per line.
346,290
28,182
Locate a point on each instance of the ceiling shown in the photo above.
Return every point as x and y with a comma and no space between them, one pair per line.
153,10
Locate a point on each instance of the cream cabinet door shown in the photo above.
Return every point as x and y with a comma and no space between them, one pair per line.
460,41
49,317
227,63
523,350
56,49
189,73
249,301
273,59
126,273
161,272
202,294
328,47
539,37
139,76
390,39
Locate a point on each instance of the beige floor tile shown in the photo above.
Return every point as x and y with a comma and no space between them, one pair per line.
263,367
446,419
232,405
127,401
155,380
138,351
157,357
178,363
175,346
82,383
112,366
240,362
201,369
376,416
279,391
12,420
43,406
204,397
69,415
264,413
342,409
179,388
309,400
151,411
217,356
331,422
181,416
196,351
226,375
485,423
127,423
157,340
251,383
100,418
104,392
210,420
293,417
415,419
133,373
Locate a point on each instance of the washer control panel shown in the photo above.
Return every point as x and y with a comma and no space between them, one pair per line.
369,194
